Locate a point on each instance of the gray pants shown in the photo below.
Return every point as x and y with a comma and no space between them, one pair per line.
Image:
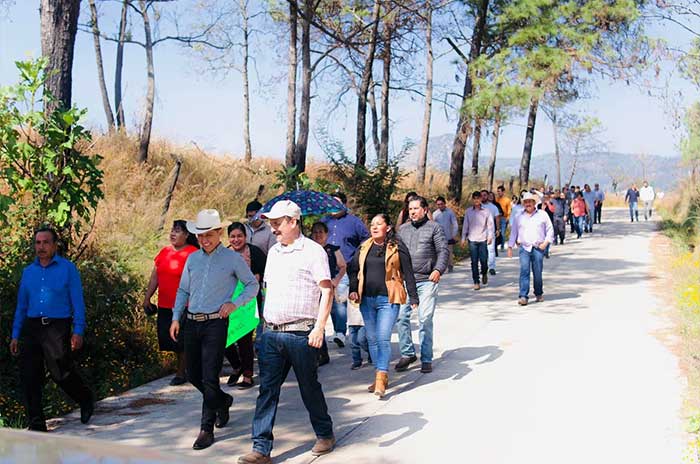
648,205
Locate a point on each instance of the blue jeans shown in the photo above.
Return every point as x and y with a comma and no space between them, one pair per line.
339,312
634,212
589,222
379,316
427,294
504,226
578,225
280,352
358,342
531,260
478,253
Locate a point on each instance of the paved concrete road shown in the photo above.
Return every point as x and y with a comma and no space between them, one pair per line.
580,378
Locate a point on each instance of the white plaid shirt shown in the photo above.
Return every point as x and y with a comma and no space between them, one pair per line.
292,277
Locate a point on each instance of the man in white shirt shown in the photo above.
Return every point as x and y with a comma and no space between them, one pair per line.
297,305
496,216
647,195
448,220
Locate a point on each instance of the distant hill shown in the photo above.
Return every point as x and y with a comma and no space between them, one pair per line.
603,168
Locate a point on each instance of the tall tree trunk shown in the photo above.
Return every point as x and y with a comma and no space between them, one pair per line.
119,65
464,122
476,147
360,144
557,154
383,157
100,67
145,138
292,86
246,88
529,139
427,111
59,24
375,119
303,139
494,144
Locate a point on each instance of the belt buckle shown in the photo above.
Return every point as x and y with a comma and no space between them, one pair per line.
200,317
45,321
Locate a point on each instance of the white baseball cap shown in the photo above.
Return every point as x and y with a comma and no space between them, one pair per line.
283,208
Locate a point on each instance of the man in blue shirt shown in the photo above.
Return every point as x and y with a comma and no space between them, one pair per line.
590,198
348,232
49,302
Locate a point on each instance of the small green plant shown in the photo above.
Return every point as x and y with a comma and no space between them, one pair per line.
290,178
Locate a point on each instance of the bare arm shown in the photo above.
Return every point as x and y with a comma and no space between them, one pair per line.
342,267
151,289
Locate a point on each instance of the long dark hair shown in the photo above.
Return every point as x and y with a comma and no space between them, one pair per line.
391,233
191,238
404,212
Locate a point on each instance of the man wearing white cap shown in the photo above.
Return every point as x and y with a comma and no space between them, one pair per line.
208,281
297,305
532,232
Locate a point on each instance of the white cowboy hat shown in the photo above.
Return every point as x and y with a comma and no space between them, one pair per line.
530,196
207,219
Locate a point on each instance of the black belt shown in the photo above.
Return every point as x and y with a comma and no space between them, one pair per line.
47,320
202,317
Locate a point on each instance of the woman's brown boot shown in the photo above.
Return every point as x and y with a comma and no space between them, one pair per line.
381,382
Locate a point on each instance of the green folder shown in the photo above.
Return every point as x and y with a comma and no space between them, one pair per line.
243,320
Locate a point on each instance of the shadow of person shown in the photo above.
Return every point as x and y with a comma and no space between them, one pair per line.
451,365
410,422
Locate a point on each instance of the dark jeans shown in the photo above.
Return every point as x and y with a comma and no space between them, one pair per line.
48,347
531,260
559,229
281,351
204,351
479,253
598,212
358,342
240,355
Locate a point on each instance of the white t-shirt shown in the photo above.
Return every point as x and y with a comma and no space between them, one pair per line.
646,193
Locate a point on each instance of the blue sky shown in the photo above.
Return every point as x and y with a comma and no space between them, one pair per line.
192,105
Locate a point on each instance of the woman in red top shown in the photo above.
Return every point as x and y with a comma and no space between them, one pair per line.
165,278
579,209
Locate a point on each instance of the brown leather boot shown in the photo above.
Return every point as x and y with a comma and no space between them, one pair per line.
381,382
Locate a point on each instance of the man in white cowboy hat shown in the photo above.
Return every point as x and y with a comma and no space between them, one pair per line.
532,232
297,305
206,288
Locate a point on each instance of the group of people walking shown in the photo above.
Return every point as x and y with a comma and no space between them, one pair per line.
366,280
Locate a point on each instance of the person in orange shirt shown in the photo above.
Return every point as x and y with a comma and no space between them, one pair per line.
165,278
507,206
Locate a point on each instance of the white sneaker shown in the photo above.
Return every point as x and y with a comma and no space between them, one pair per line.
339,340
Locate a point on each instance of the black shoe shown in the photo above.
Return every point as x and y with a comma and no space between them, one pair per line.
86,411
426,368
204,440
177,380
323,359
484,278
492,271
245,384
38,427
404,362
233,379
222,417
356,365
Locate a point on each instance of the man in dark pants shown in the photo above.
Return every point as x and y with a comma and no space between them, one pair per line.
208,281
479,230
559,218
49,302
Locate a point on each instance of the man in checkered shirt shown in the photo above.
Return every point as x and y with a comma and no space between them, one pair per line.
297,305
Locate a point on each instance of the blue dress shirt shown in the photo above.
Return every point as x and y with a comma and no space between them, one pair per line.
54,291
348,232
